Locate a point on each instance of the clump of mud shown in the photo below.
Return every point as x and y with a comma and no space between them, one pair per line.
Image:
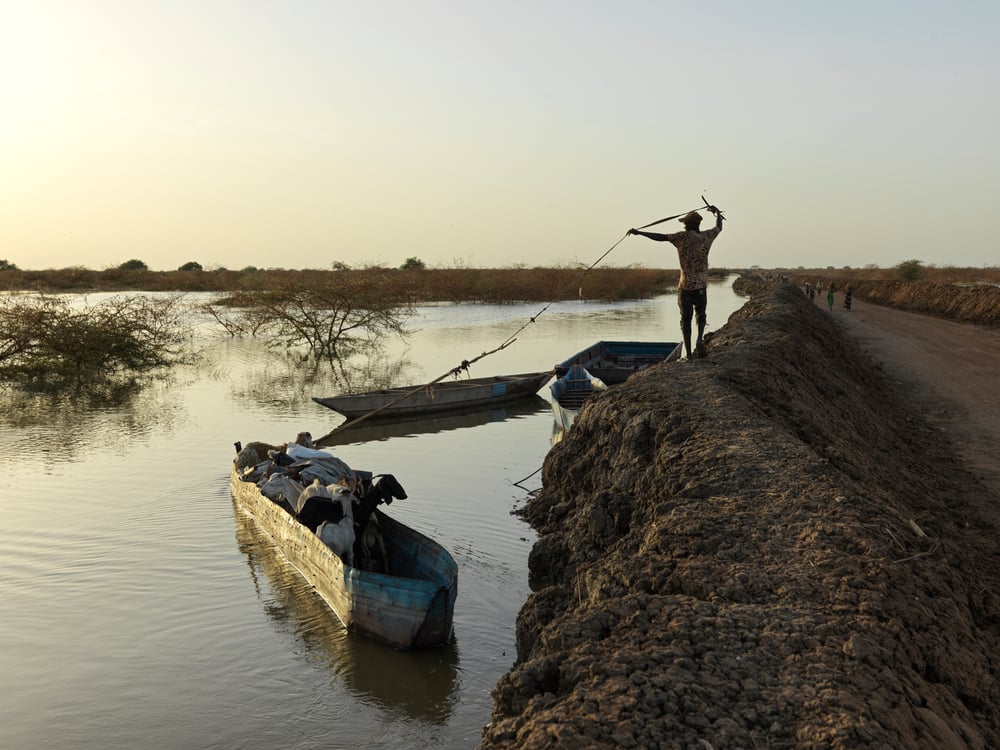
767,548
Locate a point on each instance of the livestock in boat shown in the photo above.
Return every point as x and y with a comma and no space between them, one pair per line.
340,535
404,588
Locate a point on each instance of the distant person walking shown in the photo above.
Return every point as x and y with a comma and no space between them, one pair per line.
819,288
829,295
810,292
848,297
692,251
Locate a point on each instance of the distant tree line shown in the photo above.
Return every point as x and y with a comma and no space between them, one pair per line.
477,285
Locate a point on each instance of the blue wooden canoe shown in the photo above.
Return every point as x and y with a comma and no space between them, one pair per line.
614,361
412,607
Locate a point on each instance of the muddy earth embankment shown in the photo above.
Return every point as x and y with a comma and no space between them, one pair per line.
766,548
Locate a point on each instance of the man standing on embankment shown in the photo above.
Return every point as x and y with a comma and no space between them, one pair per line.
692,251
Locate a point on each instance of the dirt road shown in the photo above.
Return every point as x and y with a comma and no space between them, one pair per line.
953,370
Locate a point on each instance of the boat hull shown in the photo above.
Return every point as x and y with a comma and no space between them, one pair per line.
414,608
448,395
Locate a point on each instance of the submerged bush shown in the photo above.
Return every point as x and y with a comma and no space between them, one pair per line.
47,343
332,315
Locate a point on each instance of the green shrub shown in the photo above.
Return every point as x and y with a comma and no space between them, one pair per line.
910,270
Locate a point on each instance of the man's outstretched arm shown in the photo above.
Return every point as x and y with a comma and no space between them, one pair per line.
651,235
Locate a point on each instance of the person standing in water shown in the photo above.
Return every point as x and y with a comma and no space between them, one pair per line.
692,251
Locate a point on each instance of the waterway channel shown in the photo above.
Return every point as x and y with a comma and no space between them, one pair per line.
140,610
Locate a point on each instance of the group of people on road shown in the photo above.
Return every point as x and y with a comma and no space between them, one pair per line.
817,291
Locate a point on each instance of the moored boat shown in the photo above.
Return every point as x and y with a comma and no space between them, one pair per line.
614,361
410,605
569,392
446,395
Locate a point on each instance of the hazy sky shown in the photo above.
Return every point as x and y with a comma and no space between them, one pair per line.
487,134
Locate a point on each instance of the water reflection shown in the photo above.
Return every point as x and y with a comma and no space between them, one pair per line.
110,418
366,432
277,380
420,684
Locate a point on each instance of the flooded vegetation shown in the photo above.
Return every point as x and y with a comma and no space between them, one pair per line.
47,343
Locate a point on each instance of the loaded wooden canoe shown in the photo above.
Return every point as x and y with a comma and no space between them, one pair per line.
414,606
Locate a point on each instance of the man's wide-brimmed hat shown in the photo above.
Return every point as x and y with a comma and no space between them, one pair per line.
692,217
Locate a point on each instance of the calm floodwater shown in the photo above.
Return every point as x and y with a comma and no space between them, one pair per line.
140,610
